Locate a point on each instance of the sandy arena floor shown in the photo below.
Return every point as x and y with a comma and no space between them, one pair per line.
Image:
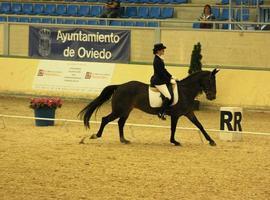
49,163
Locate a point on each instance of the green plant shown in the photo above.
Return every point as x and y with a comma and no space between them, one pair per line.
195,62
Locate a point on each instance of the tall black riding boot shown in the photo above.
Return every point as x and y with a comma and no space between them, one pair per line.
164,107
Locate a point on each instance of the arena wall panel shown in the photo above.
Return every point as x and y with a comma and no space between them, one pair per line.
244,88
225,48
1,39
18,41
248,49
141,45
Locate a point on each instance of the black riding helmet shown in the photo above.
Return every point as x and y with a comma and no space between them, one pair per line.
157,47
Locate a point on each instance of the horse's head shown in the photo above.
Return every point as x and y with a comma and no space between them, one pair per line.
208,84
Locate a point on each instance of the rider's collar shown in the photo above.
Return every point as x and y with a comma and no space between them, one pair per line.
160,57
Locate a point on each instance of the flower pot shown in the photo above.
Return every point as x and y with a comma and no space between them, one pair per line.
44,112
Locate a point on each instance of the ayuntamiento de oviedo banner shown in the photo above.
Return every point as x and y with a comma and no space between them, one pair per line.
79,44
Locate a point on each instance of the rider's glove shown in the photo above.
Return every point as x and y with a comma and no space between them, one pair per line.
175,78
173,81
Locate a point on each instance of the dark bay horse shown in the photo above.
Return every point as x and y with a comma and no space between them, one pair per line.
134,94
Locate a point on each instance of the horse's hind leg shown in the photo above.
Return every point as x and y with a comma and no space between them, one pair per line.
174,121
121,124
105,120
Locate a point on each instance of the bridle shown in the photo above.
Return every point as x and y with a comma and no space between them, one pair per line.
207,88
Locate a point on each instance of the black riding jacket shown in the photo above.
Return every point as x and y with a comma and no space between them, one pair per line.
161,75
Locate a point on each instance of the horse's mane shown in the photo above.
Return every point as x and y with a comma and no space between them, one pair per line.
194,77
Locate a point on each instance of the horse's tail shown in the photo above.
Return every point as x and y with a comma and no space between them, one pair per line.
104,96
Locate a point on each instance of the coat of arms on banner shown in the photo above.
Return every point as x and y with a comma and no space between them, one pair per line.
44,46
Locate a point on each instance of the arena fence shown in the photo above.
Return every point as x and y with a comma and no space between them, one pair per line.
2,116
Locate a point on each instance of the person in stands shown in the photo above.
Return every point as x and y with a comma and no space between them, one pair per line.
207,16
112,9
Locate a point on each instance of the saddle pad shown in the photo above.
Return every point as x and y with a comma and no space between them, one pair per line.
155,99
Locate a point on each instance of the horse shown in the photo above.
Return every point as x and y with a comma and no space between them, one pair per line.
134,94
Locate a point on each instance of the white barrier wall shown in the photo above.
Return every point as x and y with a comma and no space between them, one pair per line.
241,88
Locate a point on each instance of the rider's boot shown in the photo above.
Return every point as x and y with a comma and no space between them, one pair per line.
164,107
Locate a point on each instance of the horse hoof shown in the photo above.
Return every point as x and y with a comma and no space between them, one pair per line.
176,143
212,143
125,141
94,136
81,142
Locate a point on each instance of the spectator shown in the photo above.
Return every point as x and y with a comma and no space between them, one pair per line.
207,16
112,9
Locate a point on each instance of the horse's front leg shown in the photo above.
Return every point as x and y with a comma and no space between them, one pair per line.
174,121
191,116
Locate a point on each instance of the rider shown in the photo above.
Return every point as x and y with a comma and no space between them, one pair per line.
161,78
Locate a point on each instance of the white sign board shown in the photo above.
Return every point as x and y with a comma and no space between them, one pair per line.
230,123
90,77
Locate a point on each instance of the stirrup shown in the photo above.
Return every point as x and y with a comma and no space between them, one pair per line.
162,116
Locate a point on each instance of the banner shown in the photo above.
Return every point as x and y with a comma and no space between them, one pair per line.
94,45
70,76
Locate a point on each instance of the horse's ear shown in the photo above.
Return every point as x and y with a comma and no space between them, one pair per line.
215,71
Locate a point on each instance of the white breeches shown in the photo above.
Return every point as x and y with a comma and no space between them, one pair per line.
164,90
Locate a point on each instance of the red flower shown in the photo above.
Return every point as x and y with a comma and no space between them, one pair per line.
49,102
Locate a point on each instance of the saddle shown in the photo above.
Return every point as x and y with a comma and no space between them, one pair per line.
156,98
